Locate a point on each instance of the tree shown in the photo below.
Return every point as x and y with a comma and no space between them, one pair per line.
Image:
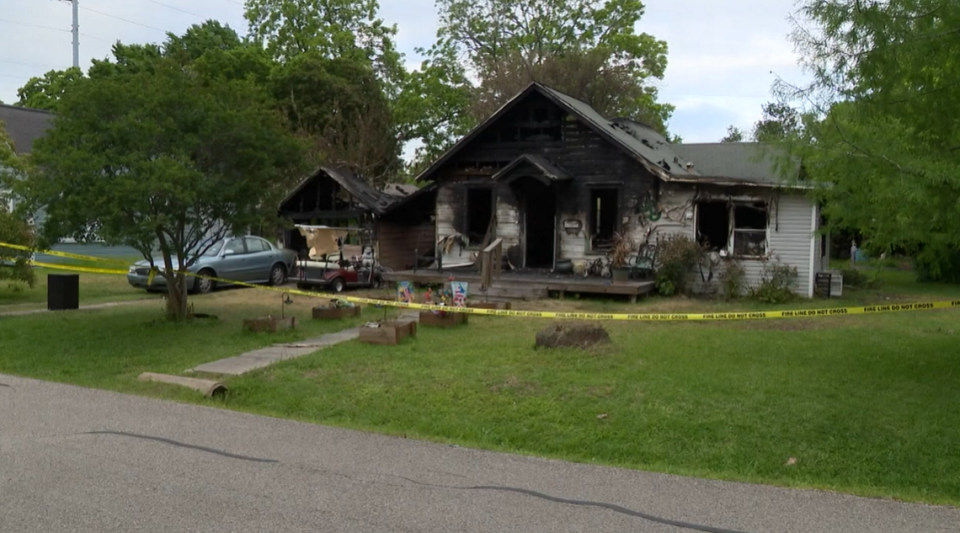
14,229
588,49
330,28
162,157
734,135
45,92
879,131
779,122
339,103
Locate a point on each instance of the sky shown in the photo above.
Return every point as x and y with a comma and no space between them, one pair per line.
723,56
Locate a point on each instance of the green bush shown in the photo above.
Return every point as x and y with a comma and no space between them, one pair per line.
733,279
677,255
855,279
777,283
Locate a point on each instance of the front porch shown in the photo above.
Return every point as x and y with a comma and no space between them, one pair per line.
525,284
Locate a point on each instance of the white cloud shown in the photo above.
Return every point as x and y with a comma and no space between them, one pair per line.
720,59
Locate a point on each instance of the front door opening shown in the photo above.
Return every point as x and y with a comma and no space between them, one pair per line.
479,213
604,211
539,216
713,225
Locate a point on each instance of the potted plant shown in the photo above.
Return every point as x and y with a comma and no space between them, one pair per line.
623,246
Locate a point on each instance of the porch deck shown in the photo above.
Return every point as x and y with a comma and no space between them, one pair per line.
526,284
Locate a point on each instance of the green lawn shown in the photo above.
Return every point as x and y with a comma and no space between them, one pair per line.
94,289
867,405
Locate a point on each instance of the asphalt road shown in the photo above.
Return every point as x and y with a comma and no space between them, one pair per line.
74,459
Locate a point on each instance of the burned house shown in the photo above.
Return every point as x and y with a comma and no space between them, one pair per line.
555,181
399,218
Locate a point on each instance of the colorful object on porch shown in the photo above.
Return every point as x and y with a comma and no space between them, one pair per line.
406,292
459,289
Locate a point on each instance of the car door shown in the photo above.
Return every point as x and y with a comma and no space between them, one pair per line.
260,259
232,261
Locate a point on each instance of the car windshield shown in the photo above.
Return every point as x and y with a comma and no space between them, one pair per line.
214,250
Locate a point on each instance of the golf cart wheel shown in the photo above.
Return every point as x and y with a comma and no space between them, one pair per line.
204,285
278,275
377,282
337,285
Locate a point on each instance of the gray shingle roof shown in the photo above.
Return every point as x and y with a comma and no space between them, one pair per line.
749,162
25,125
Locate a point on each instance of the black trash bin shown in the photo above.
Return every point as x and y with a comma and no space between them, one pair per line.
63,292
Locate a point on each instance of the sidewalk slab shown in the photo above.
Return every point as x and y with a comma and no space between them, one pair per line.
241,364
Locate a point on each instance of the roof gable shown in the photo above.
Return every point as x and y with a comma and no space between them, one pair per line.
374,200
641,143
546,171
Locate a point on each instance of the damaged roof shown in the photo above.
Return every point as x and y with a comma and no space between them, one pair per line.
374,200
737,163
548,169
752,163
25,125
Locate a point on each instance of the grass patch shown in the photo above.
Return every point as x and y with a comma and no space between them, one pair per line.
866,404
94,289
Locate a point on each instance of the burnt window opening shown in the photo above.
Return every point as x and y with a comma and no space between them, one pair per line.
749,230
713,225
604,213
479,213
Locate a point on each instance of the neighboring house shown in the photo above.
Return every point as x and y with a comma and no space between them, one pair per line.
399,217
25,126
555,180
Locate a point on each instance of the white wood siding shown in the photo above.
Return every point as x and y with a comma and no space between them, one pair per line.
789,231
446,220
508,218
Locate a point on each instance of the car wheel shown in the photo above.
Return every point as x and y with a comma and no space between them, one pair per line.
204,285
278,275
337,285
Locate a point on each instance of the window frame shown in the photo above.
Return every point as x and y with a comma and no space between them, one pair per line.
465,230
733,231
592,188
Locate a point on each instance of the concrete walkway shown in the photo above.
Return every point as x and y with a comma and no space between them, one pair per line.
241,364
107,305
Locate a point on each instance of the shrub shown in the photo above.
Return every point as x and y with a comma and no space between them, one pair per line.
855,279
733,279
777,282
677,255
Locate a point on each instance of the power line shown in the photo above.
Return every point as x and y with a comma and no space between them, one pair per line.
123,19
23,64
168,6
18,23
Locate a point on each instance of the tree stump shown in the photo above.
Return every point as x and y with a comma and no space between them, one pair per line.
572,336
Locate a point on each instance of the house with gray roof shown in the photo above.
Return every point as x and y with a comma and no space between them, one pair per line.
556,181
24,126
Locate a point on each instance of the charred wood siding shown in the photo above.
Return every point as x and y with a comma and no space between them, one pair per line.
538,127
400,241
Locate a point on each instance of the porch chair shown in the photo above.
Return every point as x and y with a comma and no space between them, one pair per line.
643,264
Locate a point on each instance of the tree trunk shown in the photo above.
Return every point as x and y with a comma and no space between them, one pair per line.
176,297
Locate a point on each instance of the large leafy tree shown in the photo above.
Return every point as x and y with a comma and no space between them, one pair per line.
330,28
589,49
165,158
339,104
881,131
13,228
44,92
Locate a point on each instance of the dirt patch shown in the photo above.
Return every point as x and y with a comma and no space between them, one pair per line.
583,336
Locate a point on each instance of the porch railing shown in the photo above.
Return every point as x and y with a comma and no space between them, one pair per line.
491,263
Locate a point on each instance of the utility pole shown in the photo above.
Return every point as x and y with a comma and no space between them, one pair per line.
76,32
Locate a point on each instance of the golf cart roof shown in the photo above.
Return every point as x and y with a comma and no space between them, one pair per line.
309,227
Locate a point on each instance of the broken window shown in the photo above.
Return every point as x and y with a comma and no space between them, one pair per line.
748,223
604,212
479,213
749,230
713,225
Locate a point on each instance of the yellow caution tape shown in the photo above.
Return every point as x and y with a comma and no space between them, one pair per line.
638,317
67,255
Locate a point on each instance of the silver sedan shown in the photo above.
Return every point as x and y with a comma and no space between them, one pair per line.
247,259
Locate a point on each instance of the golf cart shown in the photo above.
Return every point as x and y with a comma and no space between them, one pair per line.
329,264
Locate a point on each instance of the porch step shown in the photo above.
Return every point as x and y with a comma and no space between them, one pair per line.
513,292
